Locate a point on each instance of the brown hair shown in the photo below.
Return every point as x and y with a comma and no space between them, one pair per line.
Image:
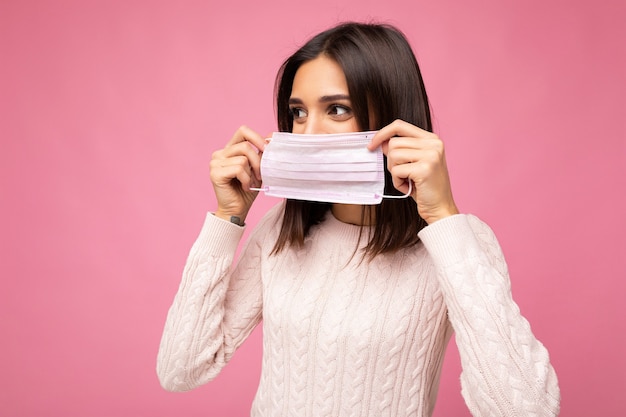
385,84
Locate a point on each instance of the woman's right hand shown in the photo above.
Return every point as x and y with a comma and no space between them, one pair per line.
234,170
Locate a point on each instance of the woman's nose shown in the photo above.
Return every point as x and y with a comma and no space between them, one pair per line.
313,125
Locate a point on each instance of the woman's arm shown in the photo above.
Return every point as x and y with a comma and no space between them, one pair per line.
506,370
214,309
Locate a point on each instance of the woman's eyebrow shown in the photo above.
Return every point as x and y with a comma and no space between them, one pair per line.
323,99
335,97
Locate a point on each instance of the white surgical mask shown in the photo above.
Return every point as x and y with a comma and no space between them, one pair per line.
335,168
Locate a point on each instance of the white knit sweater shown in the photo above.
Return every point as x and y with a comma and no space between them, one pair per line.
344,337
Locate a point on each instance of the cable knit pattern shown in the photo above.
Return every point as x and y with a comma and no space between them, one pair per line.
346,337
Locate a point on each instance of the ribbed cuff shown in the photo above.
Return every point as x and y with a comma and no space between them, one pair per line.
450,240
219,237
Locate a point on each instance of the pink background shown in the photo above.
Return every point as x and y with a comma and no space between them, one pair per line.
110,111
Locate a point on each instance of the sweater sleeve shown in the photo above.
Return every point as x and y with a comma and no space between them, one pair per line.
215,309
506,370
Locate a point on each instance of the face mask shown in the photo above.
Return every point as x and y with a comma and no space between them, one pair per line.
335,168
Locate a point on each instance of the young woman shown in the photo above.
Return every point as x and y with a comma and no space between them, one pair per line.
358,301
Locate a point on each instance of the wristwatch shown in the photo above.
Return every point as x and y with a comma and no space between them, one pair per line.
237,220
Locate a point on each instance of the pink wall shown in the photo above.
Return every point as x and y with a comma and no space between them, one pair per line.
110,111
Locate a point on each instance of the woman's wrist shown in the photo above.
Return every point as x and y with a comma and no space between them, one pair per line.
441,214
238,219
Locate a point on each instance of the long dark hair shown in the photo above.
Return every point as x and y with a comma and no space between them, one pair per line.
385,84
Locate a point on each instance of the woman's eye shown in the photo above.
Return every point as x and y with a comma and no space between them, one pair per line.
340,111
297,113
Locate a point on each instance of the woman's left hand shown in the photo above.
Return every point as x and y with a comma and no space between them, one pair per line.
416,155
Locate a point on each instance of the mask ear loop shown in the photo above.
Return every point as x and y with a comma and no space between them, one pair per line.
408,193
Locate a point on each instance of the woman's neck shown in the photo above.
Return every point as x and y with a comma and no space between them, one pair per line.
354,214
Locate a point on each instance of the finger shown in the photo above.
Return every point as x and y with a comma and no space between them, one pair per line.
415,171
400,184
218,166
229,173
404,156
244,133
252,155
415,143
250,143
396,128
242,149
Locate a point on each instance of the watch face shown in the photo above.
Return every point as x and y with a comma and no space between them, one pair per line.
236,220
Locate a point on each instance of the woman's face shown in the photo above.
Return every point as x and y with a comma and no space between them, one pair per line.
319,100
